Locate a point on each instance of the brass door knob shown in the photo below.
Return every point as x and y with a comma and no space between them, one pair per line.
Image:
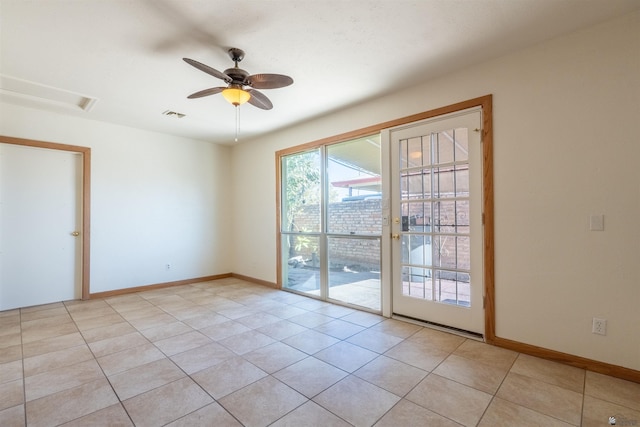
395,236
75,233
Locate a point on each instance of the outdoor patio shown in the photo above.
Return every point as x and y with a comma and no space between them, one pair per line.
363,288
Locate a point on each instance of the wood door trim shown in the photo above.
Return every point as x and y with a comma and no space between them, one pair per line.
85,152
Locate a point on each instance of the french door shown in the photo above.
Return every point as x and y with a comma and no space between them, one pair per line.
436,220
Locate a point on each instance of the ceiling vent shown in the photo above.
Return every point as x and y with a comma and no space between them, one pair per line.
38,95
173,114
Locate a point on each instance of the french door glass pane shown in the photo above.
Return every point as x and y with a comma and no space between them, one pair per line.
416,249
462,181
416,182
445,147
444,183
415,152
461,141
451,252
417,283
415,216
452,287
354,271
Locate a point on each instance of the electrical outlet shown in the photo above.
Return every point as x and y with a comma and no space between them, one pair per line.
168,266
599,326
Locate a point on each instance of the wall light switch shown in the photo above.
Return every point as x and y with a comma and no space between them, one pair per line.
596,222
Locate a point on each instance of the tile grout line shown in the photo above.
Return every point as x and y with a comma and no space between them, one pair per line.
166,356
100,366
544,382
183,371
190,377
494,395
124,408
431,372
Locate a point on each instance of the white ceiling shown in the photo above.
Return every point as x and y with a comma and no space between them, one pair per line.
128,53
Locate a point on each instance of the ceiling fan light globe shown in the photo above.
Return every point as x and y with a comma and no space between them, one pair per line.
236,96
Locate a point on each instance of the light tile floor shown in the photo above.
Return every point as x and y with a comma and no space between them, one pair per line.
230,353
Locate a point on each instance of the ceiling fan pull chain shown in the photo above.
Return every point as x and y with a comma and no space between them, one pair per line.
237,121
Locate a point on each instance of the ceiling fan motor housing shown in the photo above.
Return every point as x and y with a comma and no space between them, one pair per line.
238,75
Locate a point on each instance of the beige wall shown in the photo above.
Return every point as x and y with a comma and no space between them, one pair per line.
565,148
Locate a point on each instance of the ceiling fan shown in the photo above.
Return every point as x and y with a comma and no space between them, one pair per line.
236,79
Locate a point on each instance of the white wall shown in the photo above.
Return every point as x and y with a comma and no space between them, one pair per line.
565,147
156,199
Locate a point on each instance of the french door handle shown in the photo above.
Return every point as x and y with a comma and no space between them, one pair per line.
75,233
395,236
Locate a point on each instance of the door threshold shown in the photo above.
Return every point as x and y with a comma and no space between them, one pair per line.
442,328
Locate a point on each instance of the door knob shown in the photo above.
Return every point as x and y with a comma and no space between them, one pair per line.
395,236
75,233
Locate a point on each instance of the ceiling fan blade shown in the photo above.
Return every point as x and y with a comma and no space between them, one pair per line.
268,81
206,92
211,71
258,99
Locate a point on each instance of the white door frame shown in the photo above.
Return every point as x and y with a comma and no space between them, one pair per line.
85,232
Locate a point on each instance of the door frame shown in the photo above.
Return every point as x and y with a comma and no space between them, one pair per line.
85,235
486,105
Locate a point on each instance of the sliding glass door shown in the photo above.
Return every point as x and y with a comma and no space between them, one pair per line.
331,222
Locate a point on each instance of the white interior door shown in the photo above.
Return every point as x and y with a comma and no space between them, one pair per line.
40,211
436,190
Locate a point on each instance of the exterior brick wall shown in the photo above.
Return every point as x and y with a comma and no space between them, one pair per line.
360,217
364,217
